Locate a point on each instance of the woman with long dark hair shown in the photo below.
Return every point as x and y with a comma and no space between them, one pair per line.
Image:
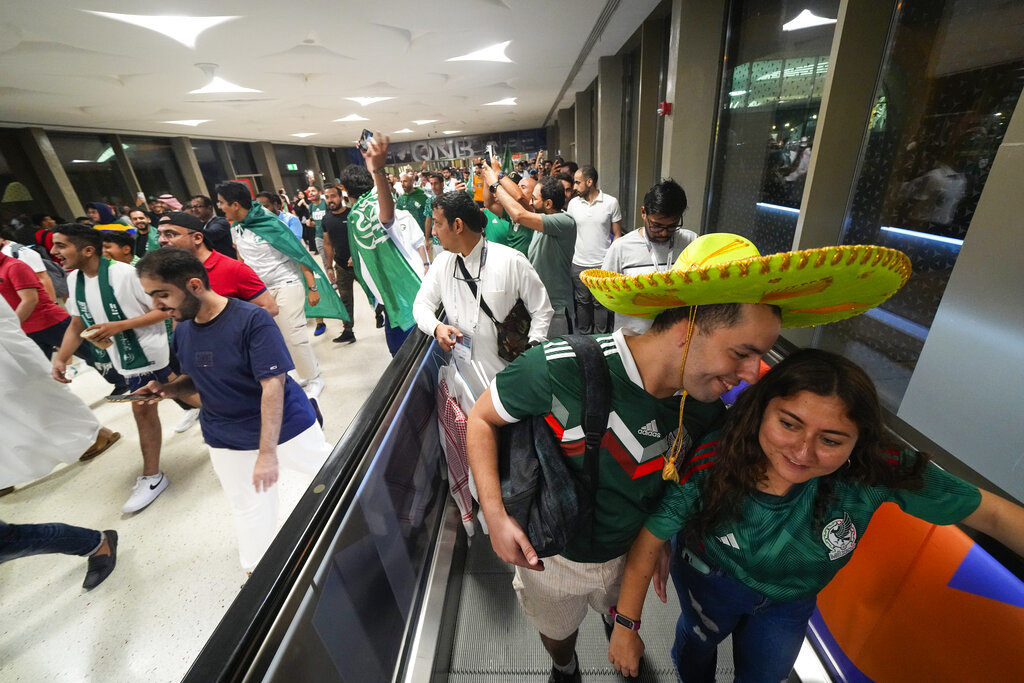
770,508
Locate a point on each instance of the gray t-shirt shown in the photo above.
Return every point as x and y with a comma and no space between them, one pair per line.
550,253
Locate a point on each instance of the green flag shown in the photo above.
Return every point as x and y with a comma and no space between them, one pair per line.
378,263
273,231
506,161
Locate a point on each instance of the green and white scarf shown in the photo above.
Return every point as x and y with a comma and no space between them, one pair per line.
273,231
129,350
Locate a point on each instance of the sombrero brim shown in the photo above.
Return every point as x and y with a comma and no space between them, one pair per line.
811,287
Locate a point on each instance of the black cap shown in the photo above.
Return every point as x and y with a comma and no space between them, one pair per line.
184,220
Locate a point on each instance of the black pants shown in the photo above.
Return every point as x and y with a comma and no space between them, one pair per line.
345,277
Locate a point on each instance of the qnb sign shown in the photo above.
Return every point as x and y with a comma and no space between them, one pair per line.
465,146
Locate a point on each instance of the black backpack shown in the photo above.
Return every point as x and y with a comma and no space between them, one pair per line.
550,502
57,275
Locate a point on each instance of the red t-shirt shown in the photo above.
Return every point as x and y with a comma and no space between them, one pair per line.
229,277
15,275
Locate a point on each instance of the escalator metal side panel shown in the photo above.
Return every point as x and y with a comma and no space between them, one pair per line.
264,600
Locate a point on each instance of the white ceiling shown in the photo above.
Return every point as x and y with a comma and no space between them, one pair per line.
62,67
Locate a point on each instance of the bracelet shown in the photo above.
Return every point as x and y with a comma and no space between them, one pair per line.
312,288
426,263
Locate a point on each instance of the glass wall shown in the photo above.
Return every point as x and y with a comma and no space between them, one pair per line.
292,164
21,193
949,84
210,165
89,161
771,93
155,166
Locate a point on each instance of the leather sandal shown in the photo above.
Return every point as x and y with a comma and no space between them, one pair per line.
101,444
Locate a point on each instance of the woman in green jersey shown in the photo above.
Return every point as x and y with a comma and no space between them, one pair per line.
768,510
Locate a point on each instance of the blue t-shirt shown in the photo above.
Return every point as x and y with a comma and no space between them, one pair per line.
226,359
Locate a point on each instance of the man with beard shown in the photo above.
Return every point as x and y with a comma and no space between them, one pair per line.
145,238
253,413
655,246
338,261
412,199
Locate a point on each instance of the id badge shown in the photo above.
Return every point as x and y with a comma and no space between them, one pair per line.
463,349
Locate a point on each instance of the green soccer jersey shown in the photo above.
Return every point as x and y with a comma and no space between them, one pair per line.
776,549
317,213
416,203
519,238
496,229
546,380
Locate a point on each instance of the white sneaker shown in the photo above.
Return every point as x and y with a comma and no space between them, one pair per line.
145,491
187,420
314,387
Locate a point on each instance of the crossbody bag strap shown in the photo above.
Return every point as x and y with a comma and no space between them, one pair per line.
596,401
472,288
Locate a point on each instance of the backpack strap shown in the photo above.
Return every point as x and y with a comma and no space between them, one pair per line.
596,401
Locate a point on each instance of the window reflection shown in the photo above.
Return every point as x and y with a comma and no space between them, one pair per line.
768,117
941,110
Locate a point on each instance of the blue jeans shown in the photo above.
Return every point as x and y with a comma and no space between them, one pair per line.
394,336
22,540
766,635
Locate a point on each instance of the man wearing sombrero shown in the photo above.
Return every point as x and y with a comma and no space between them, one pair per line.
716,313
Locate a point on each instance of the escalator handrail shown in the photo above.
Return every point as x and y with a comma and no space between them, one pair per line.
244,627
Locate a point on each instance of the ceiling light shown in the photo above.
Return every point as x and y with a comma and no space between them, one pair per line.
302,135
351,117
189,122
806,19
183,29
508,101
363,101
737,93
218,84
494,53
404,130
423,122
451,132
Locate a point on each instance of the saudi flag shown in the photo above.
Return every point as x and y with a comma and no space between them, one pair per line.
384,273
507,166
271,230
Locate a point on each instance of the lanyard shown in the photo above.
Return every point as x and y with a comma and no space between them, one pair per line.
471,283
650,252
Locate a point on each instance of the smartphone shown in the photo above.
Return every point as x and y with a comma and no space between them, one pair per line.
488,153
125,398
363,138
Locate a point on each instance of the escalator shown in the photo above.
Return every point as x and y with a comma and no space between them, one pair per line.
373,577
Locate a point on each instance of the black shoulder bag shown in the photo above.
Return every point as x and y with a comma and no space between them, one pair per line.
513,331
550,502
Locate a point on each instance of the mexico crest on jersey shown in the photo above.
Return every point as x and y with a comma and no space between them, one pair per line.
840,537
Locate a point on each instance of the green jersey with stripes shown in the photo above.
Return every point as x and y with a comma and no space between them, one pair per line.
776,548
547,381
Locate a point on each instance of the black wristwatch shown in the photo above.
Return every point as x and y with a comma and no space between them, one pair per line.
631,624
493,187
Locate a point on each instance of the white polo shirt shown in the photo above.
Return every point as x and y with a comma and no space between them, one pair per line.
593,227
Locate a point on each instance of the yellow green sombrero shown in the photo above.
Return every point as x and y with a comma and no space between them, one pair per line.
811,287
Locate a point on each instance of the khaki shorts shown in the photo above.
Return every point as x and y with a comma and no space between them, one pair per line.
555,600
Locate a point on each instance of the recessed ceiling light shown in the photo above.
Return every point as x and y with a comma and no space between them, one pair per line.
302,135
404,130
82,161
183,29
363,101
189,122
423,122
351,117
806,19
451,132
508,101
494,53
218,84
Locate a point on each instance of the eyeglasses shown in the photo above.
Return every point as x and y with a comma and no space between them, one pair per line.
662,227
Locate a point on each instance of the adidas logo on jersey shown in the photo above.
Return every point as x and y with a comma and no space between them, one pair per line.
650,429
729,540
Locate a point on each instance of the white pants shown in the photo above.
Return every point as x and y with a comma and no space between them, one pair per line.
291,320
255,514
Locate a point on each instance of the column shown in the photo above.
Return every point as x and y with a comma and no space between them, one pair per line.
185,157
608,140
584,128
48,168
266,164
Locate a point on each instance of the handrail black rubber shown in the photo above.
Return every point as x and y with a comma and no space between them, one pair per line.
243,629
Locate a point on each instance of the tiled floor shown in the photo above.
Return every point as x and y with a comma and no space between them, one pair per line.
177,566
